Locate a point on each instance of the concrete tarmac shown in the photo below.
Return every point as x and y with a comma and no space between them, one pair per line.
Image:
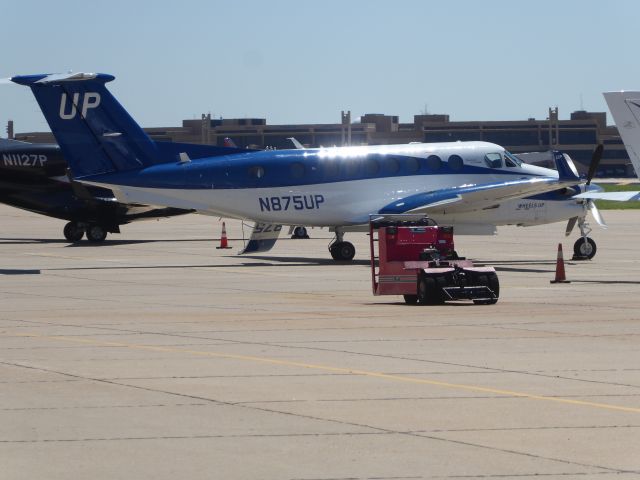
157,356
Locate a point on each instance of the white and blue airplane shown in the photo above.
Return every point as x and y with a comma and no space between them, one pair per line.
471,185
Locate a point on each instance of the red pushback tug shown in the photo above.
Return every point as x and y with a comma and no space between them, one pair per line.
414,257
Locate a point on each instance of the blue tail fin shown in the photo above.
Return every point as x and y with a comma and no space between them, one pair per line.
566,168
95,133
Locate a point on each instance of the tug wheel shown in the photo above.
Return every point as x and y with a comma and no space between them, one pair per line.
428,291
410,299
494,284
490,280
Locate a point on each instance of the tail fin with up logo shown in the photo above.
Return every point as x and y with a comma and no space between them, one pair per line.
95,133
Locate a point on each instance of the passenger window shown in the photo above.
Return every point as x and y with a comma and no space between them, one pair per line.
351,167
330,168
412,164
392,165
371,167
297,170
455,162
493,160
256,172
434,162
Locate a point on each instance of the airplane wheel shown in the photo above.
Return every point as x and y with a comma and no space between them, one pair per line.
96,233
342,251
582,249
300,232
73,232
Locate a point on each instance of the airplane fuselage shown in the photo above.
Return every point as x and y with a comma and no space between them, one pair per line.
339,186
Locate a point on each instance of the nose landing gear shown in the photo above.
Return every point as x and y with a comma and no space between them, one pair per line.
585,247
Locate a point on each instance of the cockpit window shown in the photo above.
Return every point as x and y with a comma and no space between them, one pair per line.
493,160
511,160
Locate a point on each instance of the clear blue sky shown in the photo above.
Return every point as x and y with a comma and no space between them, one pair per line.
304,61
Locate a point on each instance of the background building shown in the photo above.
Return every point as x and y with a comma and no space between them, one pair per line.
577,136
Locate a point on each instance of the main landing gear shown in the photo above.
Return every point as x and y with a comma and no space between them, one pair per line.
74,231
340,250
299,233
585,247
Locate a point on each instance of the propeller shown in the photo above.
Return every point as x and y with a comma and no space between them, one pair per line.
5,81
596,156
570,224
593,166
596,213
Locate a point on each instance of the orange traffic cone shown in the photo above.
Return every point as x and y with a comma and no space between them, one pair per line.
223,238
560,275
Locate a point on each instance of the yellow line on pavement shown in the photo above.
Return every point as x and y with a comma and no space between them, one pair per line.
343,370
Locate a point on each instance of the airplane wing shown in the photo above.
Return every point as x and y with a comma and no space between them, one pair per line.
615,196
296,143
473,197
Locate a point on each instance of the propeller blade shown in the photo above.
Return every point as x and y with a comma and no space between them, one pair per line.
595,161
596,214
5,80
570,224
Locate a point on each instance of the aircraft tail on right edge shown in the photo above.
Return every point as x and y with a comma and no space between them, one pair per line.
625,108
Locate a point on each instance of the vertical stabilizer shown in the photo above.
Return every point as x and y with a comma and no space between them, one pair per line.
625,108
95,133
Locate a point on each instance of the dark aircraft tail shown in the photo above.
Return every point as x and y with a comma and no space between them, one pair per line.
95,133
